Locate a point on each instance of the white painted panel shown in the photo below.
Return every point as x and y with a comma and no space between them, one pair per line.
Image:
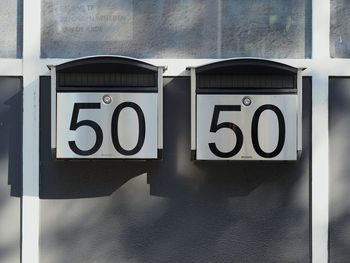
233,128
135,131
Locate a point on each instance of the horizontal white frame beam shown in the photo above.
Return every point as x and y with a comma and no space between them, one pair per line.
320,67
11,67
177,67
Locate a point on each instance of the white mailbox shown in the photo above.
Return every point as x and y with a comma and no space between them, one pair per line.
106,108
246,109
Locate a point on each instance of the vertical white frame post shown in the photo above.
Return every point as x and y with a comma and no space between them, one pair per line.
320,67
320,130
30,198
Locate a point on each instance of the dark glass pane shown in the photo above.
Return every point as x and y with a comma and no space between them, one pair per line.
176,29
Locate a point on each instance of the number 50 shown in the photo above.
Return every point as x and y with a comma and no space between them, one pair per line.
215,126
75,124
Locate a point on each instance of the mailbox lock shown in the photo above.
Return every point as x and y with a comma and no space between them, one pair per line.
246,101
107,99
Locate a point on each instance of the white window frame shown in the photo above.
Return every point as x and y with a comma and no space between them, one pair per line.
320,67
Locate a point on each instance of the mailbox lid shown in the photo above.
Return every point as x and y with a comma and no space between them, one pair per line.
210,130
106,73
244,76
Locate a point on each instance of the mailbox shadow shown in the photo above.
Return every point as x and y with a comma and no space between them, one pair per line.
179,176
78,179
258,202
175,176
198,212
11,132
339,170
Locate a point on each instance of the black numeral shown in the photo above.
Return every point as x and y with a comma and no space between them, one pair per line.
114,128
281,135
75,124
214,127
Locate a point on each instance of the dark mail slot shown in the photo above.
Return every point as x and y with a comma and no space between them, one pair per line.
246,76
107,73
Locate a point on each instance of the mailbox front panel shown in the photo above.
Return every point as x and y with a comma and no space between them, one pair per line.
246,127
107,125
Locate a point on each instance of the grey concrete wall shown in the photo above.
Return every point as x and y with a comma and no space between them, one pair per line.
340,30
11,26
177,29
10,168
339,123
174,210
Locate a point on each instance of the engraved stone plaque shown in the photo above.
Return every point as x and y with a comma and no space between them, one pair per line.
11,20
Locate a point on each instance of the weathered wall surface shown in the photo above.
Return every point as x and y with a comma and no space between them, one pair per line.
339,123
10,168
174,210
340,30
177,29
11,26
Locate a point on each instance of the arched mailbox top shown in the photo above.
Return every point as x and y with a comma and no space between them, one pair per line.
247,66
107,64
107,73
246,75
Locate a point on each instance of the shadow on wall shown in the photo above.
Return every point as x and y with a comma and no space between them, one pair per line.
11,132
175,176
339,146
131,226
10,168
195,212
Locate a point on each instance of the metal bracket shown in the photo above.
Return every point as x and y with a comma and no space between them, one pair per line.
300,112
161,70
193,109
53,106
